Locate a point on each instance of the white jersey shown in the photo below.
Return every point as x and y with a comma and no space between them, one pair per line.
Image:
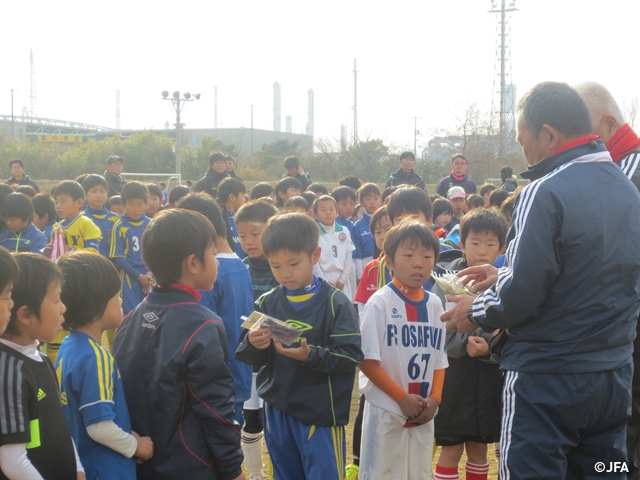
407,338
336,262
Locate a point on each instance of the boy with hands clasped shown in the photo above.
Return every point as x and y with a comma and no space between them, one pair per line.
403,371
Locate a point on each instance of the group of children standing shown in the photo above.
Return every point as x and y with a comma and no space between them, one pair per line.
185,392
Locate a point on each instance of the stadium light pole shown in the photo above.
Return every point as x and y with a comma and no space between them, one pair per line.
178,104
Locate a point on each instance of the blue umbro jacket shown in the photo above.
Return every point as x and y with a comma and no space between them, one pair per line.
29,239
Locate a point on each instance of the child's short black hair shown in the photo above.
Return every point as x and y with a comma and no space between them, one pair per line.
27,190
256,212
487,187
262,189
229,158
323,198
350,181
93,180
162,184
414,232
177,193
37,274
18,161
277,236
408,200
115,200
90,282
387,192
484,220
356,211
204,204
343,192
230,186
216,157
291,162
497,197
17,205
442,206
8,269
71,188
368,189
171,236
318,188
377,217
297,202
285,184
475,201
434,196
4,191
310,197
154,190
134,191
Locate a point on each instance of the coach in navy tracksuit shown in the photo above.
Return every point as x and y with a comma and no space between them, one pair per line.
568,295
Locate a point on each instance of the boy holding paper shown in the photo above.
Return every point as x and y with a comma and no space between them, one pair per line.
306,387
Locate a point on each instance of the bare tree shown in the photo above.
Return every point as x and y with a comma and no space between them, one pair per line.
630,110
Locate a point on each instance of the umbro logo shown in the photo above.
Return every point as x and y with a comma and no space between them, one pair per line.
148,319
41,394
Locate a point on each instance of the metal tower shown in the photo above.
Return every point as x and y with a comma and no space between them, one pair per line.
355,104
118,109
503,107
32,87
277,107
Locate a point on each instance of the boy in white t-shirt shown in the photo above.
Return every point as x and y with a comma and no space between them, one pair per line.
402,374
335,264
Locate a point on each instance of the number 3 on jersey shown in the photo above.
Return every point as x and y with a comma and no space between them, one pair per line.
136,244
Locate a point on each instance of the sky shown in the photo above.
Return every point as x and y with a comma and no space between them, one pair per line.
415,59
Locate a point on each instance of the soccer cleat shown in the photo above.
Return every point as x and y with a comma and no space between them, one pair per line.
352,472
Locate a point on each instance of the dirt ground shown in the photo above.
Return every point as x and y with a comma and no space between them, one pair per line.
493,465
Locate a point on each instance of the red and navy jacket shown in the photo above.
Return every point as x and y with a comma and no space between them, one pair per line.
172,355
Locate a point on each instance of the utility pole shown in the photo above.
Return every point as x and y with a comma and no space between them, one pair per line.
415,135
215,107
355,104
12,114
252,130
32,91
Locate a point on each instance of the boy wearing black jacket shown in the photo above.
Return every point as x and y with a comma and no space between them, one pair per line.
172,356
306,387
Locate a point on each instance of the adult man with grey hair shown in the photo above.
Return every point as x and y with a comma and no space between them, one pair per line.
567,298
624,146
609,123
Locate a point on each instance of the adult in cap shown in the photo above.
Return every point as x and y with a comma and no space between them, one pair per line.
18,177
566,300
113,174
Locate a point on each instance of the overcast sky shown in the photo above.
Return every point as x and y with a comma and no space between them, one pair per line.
427,59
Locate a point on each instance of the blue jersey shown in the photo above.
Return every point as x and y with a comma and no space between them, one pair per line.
231,298
105,220
126,242
29,239
237,247
362,239
91,392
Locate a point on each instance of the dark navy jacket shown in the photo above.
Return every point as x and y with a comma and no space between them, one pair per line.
172,356
318,390
400,177
569,292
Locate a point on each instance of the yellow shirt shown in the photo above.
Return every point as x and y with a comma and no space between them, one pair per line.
79,233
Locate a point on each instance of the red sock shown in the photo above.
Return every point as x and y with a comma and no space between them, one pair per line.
477,472
444,473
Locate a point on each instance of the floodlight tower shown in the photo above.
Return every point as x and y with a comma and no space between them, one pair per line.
178,104
504,112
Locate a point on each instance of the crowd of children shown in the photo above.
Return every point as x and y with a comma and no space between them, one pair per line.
181,389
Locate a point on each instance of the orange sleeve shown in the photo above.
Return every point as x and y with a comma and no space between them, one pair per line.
438,383
375,373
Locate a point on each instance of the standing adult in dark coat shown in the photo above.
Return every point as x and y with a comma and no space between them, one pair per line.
113,174
405,174
18,176
216,173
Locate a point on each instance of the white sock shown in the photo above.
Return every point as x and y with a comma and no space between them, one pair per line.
252,449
